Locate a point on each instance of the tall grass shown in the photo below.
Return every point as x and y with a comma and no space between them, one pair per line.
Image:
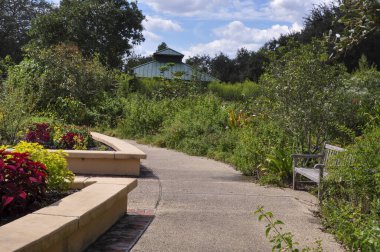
236,91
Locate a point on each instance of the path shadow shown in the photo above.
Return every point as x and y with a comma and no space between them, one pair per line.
145,172
125,233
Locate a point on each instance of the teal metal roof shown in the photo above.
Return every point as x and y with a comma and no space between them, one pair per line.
152,69
168,52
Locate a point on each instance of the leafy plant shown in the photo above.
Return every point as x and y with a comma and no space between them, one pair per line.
351,200
277,168
306,91
281,241
72,140
60,177
62,81
143,116
255,143
39,133
16,107
235,91
57,136
239,119
22,181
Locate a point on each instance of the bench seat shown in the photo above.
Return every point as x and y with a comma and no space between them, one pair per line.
320,162
310,173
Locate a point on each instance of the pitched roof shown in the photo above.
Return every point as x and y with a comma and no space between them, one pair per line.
168,52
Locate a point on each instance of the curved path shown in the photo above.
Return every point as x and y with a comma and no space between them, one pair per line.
198,204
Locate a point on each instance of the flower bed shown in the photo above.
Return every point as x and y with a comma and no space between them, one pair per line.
59,136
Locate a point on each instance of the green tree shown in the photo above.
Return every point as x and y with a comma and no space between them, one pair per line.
109,28
200,62
360,18
15,20
305,91
223,68
162,46
63,81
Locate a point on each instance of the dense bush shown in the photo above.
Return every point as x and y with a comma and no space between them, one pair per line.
161,88
255,143
236,91
307,91
22,181
351,202
144,116
63,81
189,128
16,107
60,177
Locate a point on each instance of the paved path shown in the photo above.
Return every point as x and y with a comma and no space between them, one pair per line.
197,204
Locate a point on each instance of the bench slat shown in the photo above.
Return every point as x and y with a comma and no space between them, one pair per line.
310,173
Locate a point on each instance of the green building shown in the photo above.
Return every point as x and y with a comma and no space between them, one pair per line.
168,63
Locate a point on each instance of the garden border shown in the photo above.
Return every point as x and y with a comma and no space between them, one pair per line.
74,222
125,160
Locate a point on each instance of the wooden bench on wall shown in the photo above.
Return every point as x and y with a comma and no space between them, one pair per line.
315,173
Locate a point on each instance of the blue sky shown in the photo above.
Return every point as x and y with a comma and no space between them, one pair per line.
197,27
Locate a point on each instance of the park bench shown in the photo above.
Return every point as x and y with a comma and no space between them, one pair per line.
313,166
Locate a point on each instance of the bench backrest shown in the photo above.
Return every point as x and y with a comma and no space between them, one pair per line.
329,152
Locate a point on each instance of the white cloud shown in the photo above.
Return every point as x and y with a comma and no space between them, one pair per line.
279,10
185,7
157,23
290,10
237,31
236,35
226,46
151,36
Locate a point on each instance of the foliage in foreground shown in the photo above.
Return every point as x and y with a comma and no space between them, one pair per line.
351,203
281,241
22,181
60,177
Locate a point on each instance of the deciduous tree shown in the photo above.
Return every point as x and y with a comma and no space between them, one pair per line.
106,27
15,20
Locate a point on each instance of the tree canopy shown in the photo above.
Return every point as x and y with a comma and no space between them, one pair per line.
15,21
106,27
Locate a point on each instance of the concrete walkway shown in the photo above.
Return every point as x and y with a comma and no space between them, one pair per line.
203,205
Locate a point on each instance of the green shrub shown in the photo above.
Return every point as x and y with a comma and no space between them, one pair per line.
59,176
256,143
63,81
236,91
277,168
199,118
160,88
16,107
306,90
143,116
351,201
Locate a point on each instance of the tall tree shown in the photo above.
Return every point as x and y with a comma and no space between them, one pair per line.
15,20
162,46
360,19
109,28
200,62
223,68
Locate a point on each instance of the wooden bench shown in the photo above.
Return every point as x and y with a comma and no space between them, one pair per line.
313,166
